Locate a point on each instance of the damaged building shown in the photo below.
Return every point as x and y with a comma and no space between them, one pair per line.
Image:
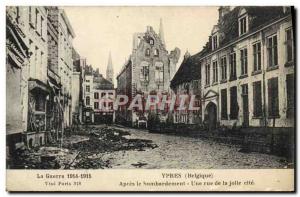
148,70
39,70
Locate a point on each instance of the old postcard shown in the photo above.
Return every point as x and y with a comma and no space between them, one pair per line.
150,98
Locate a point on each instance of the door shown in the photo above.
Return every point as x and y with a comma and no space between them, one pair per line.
211,116
245,105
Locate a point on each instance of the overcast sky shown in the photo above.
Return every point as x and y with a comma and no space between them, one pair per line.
102,29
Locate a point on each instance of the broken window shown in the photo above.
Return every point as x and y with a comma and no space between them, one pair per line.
144,72
290,88
159,72
272,51
273,99
234,110
257,99
224,104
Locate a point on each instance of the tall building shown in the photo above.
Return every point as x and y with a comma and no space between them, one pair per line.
149,69
64,66
99,94
17,65
110,70
39,71
247,69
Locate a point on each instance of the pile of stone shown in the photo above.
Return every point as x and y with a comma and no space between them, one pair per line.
103,140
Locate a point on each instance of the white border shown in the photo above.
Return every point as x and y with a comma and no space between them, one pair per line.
110,3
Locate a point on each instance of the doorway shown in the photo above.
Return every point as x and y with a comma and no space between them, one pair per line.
211,116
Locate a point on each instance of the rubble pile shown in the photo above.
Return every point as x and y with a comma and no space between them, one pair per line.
83,151
103,140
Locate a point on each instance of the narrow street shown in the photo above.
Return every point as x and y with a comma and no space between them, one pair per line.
186,153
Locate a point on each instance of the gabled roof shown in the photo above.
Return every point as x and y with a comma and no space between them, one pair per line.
100,83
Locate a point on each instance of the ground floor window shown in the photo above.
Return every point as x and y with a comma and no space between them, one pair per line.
290,88
257,99
273,99
234,108
224,104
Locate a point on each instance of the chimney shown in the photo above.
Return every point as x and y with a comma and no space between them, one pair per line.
222,11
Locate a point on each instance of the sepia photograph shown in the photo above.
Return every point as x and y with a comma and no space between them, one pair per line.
103,88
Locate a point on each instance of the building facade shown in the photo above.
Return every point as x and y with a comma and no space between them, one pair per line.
34,73
187,81
247,69
149,69
17,65
99,95
77,88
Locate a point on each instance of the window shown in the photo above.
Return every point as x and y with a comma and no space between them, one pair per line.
207,74
215,42
159,73
234,109
37,21
96,95
96,105
223,69
273,99
215,72
272,51
41,30
224,104
232,64
290,88
87,100
102,94
31,16
244,89
244,62
144,75
147,53
87,88
257,57
156,53
257,99
243,25
18,14
289,45
151,41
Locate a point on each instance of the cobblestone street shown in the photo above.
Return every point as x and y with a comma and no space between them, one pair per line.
187,152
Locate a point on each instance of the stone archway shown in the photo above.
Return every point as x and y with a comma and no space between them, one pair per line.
211,116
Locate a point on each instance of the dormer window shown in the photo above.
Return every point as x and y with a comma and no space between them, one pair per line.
214,42
243,25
